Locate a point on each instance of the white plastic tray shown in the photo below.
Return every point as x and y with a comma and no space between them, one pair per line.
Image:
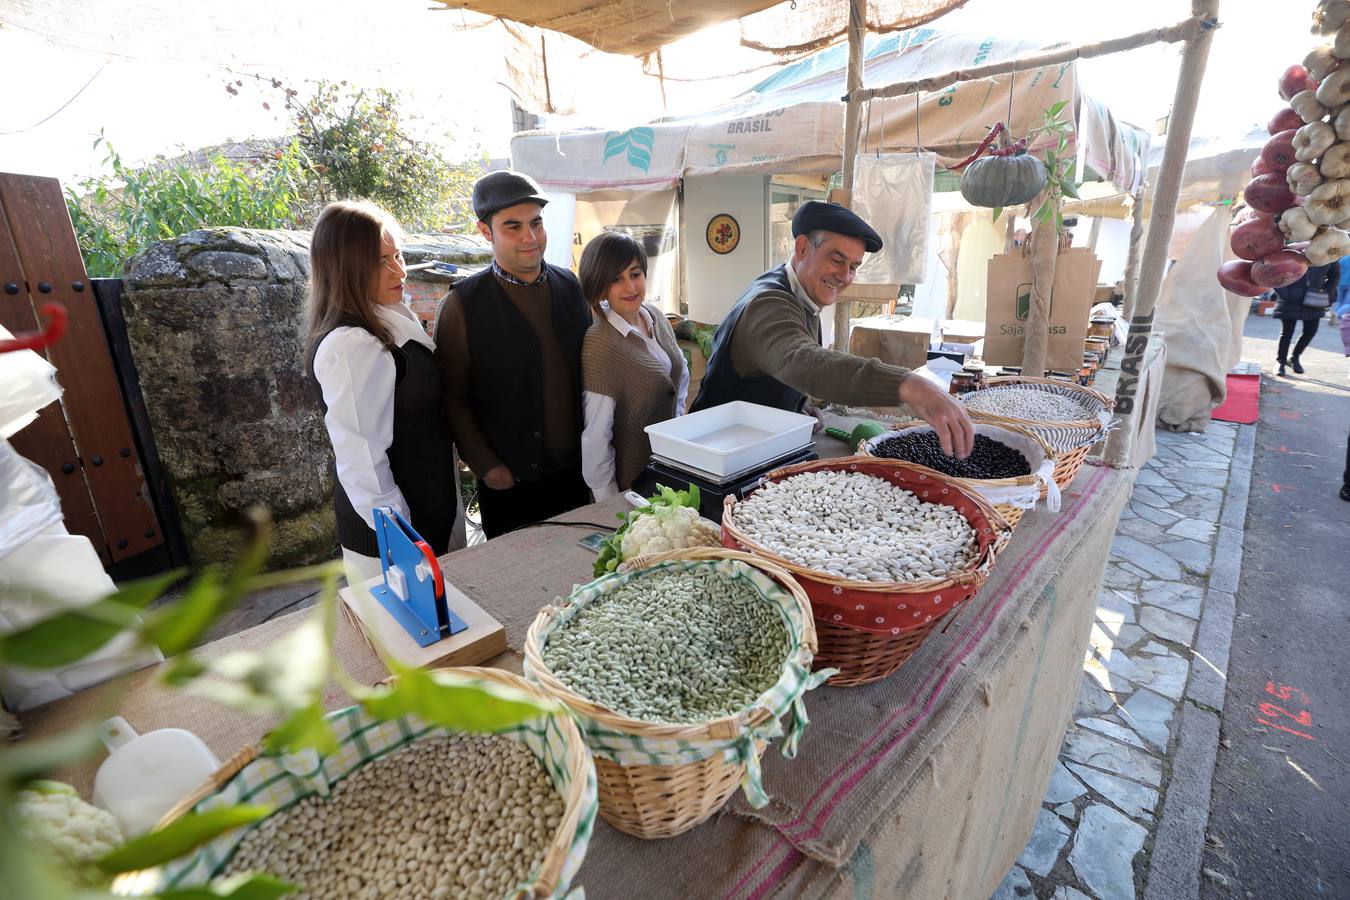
733,437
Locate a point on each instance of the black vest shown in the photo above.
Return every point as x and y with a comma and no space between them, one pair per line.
421,456
721,384
506,379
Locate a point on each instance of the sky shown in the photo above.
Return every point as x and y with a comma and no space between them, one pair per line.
151,74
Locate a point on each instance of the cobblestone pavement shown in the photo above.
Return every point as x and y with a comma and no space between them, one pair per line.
1098,823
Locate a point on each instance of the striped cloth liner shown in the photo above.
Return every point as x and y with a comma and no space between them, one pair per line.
1068,436
283,780
784,699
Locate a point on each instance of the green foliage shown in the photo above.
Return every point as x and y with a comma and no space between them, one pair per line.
348,143
118,216
1060,164
358,142
286,679
154,848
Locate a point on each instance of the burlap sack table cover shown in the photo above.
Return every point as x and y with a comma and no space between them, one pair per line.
925,784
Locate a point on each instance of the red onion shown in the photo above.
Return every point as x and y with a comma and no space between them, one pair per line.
1278,153
1294,80
1256,239
1284,120
1269,193
1279,268
1236,276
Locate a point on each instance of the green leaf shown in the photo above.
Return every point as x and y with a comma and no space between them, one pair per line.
245,886
72,635
177,626
1069,190
183,836
452,701
306,728
1043,214
998,211
1055,109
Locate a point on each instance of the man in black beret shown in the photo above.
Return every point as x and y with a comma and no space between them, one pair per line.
768,349
508,341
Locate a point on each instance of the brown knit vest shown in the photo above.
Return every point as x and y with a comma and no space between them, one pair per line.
623,368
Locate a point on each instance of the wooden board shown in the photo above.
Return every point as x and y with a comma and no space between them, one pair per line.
483,639
44,239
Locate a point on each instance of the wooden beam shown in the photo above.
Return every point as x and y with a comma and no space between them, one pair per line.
1186,30
1044,253
1194,56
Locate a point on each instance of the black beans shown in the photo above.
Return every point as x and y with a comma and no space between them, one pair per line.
989,459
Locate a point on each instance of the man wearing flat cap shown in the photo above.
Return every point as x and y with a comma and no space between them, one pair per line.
509,343
768,349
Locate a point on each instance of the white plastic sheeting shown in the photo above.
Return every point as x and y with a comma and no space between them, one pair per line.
893,192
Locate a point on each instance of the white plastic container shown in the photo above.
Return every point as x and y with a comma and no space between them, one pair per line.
146,774
729,439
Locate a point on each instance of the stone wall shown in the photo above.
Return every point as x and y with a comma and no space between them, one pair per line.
216,324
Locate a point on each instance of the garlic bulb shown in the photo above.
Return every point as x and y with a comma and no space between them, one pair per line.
1329,245
1312,140
1303,177
1296,225
1321,62
1329,202
1308,109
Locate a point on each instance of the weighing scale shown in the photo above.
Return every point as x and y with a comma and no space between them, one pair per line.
419,620
711,488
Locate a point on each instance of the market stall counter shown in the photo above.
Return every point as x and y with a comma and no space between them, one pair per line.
924,784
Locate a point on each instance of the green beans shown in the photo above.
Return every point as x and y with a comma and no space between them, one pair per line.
672,646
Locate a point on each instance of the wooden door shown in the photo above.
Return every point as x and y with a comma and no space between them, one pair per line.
84,442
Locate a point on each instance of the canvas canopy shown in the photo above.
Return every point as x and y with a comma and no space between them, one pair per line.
793,122
639,27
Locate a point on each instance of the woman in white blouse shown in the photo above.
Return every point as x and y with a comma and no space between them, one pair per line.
382,391
632,371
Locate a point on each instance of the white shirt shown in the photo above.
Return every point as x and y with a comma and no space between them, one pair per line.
357,375
597,447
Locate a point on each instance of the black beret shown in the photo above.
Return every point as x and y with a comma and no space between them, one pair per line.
498,190
817,215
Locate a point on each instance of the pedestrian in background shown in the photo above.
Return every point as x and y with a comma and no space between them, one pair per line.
1305,300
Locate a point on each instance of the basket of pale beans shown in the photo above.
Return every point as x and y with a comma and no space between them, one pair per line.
884,549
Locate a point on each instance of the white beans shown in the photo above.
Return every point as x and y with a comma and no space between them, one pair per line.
462,816
1026,403
857,527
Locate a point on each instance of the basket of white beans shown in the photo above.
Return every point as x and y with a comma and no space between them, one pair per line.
405,809
884,549
1068,417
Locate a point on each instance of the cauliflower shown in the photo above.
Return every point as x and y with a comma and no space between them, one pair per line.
669,521
669,528
57,821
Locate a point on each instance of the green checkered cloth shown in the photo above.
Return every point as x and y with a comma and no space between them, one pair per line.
282,780
783,700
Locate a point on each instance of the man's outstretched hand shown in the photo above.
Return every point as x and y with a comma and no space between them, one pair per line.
942,411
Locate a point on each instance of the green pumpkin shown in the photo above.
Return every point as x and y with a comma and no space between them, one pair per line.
996,181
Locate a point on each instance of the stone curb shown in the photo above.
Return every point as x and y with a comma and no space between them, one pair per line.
1179,839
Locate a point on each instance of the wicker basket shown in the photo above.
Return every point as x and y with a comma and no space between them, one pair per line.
561,861
652,800
1071,441
1037,451
844,609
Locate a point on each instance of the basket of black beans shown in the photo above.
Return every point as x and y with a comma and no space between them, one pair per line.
1009,466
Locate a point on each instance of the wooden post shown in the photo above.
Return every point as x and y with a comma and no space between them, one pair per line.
1131,278
857,23
1170,171
1010,230
1044,252
1095,233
